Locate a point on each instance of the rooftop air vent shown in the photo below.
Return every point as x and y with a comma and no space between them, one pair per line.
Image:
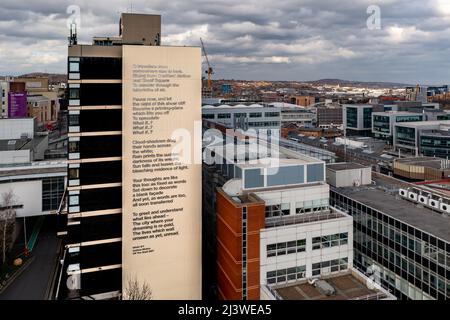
325,288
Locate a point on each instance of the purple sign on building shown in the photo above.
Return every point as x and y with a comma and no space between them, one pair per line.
17,104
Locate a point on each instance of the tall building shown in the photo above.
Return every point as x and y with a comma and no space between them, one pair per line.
401,235
133,210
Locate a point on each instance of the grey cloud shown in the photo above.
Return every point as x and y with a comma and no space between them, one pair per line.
252,39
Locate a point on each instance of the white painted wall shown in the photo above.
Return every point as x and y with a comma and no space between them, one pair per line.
15,156
305,231
28,194
349,178
11,129
292,196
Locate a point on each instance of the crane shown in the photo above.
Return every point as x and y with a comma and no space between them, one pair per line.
210,71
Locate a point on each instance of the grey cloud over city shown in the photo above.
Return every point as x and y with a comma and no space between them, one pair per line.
252,39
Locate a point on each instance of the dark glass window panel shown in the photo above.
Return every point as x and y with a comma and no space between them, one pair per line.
100,68
101,120
101,94
101,146
101,199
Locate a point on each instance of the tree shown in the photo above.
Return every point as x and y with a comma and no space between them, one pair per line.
7,221
134,290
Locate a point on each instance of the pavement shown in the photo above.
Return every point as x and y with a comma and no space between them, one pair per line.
32,284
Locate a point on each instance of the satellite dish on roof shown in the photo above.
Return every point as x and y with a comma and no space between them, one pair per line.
233,187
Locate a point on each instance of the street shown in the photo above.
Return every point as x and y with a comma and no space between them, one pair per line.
33,282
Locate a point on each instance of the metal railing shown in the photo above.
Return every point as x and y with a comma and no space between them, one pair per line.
275,294
298,219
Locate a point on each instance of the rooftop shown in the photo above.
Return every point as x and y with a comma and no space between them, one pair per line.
436,133
345,166
237,106
33,168
382,197
424,123
429,162
348,286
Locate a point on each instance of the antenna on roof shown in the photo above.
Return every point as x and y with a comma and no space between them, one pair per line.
73,34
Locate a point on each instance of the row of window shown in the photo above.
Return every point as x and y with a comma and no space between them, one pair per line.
264,124
389,280
412,271
52,193
301,207
238,115
284,275
284,248
326,267
362,213
244,253
334,240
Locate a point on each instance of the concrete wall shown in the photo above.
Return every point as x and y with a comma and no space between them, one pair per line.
15,156
349,178
307,258
11,129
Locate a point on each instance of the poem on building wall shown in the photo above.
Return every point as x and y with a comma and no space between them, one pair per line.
161,194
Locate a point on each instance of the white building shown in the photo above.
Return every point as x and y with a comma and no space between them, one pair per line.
292,113
302,238
255,116
37,187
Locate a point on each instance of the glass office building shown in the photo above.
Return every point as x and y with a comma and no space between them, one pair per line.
435,143
405,247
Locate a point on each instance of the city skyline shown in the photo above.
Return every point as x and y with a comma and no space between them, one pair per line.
291,40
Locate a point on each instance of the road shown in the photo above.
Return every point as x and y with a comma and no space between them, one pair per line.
33,282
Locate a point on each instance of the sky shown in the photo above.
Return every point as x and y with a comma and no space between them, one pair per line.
404,41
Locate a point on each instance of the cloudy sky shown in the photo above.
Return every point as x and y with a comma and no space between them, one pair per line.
252,39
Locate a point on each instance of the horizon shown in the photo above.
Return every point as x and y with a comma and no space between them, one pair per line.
286,41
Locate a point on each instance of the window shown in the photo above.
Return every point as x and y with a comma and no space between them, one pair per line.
74,173
52,192
74,146
74,67
255,115
74,200
74,119
283,275
74,93
284,248
224,116
272,114
334,240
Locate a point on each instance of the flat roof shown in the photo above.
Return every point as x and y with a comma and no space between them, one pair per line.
423,123
345,166
347,287
429,162
421,218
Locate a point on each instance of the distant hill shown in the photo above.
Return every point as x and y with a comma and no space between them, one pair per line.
335,82
54,78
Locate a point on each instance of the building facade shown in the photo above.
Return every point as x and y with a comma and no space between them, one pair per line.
255,116
98,217
329,117
429,138
357,119
405,247
383,122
